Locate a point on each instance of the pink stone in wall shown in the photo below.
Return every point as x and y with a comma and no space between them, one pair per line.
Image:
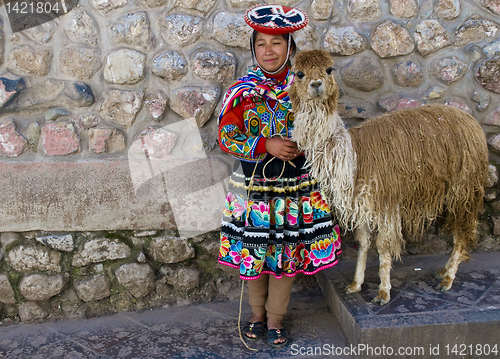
494,119
408,103
154,142
60,138
398,103
105,140
462,106
4,94
12,143
98,138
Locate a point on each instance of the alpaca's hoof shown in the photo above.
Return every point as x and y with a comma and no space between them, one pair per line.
383,298
445,284
353,288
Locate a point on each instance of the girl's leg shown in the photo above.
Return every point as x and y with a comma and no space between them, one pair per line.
277,306
257,290
278,298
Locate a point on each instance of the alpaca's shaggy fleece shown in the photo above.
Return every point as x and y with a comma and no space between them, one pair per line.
395,173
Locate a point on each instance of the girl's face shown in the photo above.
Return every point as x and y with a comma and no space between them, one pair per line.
270,51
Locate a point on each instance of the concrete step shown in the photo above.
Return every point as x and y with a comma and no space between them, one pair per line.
420,321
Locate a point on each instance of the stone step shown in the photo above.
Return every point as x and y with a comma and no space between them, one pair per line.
419,321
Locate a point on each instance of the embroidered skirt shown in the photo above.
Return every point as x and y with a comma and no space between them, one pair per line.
277,225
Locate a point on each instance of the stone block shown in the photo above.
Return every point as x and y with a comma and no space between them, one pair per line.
6,292
306,38
12,143
322,9
121,107
10,89
54,113
363,73
343,40
408,74
49,93
154,142
81,27
60,139
476,30
219,66
62,243
86,121
183,279
458,103
93,289
156,103
105,6
170,249
390,39
201,7
42,33
32,311
133,193
492,176
231,30
488,74
195,102
482,100
100,250
404,8
133,29
431,36
449,70
103,140
180,30
80,62
124,66
28,60
139,279
25,259
447,9
170,66
364,10
8,238
434,92
494,142
40,288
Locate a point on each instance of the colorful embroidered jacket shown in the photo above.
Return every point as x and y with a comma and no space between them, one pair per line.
254,108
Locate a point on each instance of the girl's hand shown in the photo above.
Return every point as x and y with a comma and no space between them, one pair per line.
283,148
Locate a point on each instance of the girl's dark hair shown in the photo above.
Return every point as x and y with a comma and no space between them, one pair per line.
293,46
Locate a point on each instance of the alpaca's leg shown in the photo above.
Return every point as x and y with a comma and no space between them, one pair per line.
459,254
385,259
362,235
389,240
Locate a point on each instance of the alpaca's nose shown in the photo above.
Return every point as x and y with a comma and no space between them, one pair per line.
316,84
316,88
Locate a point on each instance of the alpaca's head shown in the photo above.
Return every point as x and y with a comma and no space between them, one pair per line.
314,81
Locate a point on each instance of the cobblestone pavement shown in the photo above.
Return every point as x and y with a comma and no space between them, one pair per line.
198,331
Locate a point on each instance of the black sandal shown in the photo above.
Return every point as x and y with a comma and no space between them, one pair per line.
257,328
273,334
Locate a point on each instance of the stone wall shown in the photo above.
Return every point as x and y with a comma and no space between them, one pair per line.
112,182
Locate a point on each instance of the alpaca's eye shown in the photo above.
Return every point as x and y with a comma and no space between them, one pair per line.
329,70
300,75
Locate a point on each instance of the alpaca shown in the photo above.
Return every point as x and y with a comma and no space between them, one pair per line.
393,174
